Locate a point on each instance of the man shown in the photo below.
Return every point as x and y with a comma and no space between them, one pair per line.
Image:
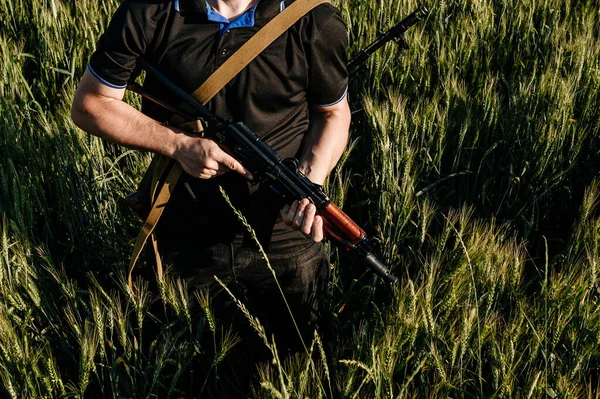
293,95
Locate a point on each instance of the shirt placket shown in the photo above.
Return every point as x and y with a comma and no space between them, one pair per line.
224,46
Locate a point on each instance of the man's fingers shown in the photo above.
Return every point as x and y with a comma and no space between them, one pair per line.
223,168
302,215
299,217
309,217
208,172
288,212
204,159
317,229
231,163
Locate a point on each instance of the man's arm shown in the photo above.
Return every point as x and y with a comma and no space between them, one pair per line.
99,110
325,141
323,146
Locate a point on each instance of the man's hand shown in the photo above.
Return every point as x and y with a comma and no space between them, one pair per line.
322,147
302,215
98,109
204,159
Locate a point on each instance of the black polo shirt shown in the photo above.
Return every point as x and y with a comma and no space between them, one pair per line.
188,41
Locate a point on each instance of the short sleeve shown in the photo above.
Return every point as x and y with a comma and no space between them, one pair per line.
328,76
120,45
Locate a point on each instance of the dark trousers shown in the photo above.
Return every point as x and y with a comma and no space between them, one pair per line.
302,270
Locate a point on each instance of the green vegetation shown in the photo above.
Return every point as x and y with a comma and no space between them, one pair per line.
475,165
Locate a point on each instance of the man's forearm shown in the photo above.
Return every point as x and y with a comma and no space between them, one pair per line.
106,116
325,141
118,122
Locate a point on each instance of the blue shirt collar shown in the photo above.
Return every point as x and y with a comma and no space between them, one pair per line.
245,20
265,9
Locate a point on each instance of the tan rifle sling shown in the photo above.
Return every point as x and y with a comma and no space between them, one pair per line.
160,194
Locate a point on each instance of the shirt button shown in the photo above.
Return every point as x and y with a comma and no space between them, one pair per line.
223,51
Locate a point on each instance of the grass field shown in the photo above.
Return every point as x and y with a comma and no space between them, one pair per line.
475,165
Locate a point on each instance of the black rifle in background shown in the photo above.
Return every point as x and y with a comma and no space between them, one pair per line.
394,33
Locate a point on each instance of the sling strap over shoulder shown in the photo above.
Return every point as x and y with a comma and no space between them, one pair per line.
160,194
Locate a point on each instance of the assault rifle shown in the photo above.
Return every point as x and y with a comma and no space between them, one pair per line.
267,167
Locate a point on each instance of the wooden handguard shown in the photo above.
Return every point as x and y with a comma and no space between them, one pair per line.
346,227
